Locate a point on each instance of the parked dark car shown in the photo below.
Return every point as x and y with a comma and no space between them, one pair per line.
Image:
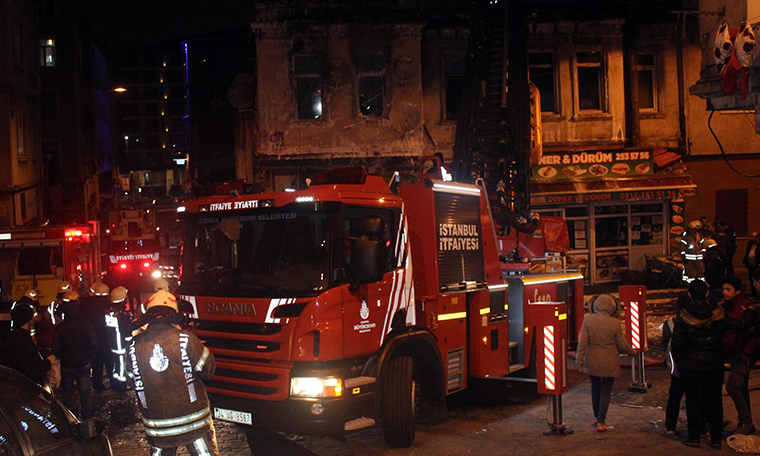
32,422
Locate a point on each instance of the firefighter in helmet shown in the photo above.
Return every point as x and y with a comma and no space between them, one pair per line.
167,366
692,252
117,318
55,307
93,309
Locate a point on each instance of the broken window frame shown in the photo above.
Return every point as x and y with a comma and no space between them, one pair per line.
652,69
601,73
535,66
302,79
368,74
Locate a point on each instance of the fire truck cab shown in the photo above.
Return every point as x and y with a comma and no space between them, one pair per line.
42,257
335,307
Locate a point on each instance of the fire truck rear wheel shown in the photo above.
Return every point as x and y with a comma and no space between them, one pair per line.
398,399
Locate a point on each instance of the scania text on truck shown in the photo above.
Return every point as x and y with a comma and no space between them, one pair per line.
335,307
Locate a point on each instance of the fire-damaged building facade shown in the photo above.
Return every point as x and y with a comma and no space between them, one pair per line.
371,84
382,84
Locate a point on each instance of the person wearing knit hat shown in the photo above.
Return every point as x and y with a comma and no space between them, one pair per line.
76,344
19,350
601,340
168,366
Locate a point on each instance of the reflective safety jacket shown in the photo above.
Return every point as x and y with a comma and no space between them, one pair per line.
692,252
167,366
117,321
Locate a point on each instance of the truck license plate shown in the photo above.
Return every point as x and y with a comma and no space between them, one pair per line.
232,415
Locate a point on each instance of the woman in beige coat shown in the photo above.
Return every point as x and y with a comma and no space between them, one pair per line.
601,342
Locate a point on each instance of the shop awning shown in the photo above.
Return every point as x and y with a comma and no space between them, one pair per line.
622,189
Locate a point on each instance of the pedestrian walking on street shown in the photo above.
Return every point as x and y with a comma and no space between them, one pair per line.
167,366
19,351
751,259
598,356
94,308
76,344
739,347
675,393
697,349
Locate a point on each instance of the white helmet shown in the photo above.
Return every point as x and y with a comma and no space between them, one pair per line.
31,294
99,289
64,286
710,243
70,296
161,284
118,294
162,298
695,225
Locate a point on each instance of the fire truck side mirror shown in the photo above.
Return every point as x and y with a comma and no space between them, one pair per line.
367,262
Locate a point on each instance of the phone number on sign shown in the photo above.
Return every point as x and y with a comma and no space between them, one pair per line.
653,194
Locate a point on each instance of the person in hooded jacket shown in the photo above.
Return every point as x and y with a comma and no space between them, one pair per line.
167,366
76,344
19,351
600,343
675,393
697,349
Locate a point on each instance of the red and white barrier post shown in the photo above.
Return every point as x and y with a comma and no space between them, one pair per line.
551,368
634,298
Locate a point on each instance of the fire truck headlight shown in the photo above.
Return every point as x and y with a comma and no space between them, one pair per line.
156,274
316,387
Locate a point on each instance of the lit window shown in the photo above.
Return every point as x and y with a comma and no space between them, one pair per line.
308,72
47,52
370,71
590,75
453,70
646,68
543,75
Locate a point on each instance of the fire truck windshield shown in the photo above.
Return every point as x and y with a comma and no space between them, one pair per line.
257,254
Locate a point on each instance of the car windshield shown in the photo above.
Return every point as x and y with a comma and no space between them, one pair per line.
261,254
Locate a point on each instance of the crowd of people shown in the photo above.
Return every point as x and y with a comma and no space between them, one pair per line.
76,342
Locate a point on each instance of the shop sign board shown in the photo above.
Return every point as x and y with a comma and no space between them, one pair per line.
594,165
627,195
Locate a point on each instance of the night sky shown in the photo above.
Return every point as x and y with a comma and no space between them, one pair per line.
128,23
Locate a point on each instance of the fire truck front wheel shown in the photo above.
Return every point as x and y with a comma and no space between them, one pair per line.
398,400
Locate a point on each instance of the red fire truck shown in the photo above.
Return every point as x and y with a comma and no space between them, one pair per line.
331,308
42,257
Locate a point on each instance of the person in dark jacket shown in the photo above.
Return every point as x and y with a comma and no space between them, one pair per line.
76,344
697,348
751,259
675,393
167,366
94,309
117,318
739,347
715,264
725,236
19,350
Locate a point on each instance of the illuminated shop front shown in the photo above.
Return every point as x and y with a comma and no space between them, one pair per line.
620,207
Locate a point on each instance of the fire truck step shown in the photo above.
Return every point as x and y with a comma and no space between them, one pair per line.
359,423
513,344
516,367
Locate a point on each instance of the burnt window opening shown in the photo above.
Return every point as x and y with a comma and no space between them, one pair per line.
47,52
308,73
646,69
453,74
370,71
543,74
590,77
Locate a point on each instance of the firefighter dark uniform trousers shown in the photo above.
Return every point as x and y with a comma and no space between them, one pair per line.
167,366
